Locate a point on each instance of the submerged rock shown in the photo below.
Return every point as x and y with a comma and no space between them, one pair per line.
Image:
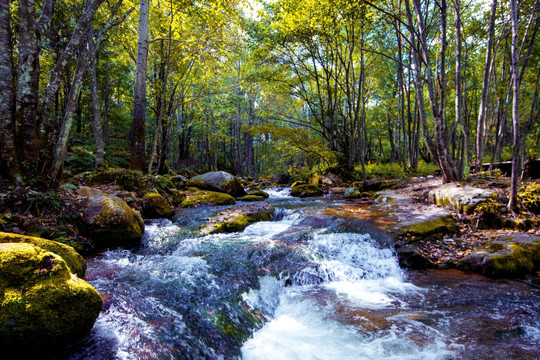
43,306
196,197
463,199
238,218
156,206
507,256
306,191
73,259
109,221
218,181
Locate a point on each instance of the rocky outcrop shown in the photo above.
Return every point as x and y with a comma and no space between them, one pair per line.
304,191
238,218
196,197
463,199
73,259
434,227
108,221
261,193
507,256
43,305
156,206
219,181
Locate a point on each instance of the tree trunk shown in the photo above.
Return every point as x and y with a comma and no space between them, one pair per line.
97,128
9,164
26,113
512,204
480,125
138,131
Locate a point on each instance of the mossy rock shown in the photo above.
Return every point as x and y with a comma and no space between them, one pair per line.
43,306
380,184
219,181
238,218
252,198
199,198
510,256
155,206
463,199
109,221
304,191
438,226
74,260
352,193
264,194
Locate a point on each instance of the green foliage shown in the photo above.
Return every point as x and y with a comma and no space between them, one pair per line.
529,197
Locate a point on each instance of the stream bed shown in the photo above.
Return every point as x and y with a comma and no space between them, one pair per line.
308,285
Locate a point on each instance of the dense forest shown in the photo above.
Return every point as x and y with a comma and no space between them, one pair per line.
261,88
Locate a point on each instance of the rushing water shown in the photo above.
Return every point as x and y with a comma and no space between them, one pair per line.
309,285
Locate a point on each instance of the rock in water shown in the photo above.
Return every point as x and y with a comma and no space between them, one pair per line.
238,218
73,259
306,191
352,193
218,181
109,221
43,306
463,199
155,206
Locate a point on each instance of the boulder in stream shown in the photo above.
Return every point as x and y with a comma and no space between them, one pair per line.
109,221
218,181
352,193
156,206
43,305
463,199
73,259
507,256
238,218
304,191
196,197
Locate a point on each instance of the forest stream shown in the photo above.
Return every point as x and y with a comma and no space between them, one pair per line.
308,285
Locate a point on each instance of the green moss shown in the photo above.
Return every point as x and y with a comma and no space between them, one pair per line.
73,259
517,262
42,305
252,198
199,198
155,205
306,191
440,226
259,193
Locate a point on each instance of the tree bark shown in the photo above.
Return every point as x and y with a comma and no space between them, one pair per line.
138,131
480,125
9,164
514,64
97,127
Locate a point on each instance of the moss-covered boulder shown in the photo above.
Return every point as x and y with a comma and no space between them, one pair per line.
303,191
43,306
238,218
178,180
73,259
109,221
252,198
352,193
196,197
507,256
261,193
219,181
434,227
463,199
156,206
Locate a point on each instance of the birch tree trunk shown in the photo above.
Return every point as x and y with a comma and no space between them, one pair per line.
9,165
515,106
138,131
481,123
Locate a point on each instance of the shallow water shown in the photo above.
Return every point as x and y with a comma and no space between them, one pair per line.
319,282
